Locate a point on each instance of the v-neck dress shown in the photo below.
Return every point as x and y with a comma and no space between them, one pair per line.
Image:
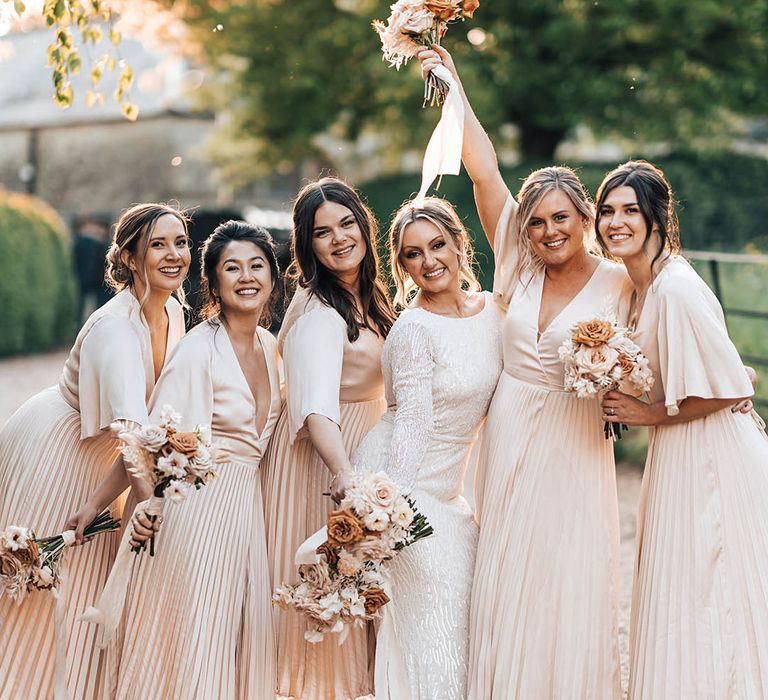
54,451
699,624
198,619
545,604
327,375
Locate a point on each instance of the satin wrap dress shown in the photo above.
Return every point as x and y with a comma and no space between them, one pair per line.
327,375
54,451
197,621
545,599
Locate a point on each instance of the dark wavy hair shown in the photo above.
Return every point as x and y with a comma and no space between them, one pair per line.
131,234
305,269
654,197
210,256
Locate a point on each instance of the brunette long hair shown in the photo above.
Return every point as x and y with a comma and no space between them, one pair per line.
309,273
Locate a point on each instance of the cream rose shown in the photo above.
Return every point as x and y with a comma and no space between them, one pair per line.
596,361
151,437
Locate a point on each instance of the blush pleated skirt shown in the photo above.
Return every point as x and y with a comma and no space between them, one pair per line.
197,621
294,479
46,474
699,624
545,603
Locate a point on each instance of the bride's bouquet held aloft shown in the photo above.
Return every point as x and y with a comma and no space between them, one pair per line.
340,578
599,356
28,562
173,462
415,24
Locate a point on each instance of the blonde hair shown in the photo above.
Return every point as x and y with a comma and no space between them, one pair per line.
132,233
537,186
441,214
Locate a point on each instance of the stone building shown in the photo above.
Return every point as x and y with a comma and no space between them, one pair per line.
92,159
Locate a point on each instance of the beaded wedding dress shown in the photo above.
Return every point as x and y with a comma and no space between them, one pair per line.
440,374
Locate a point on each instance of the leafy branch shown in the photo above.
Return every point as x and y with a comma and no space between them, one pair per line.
90,19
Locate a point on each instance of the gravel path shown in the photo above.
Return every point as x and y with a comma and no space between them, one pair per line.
22,377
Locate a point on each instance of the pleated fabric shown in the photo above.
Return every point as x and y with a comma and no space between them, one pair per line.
198,620
198,616
545,598
294,479
54,451
699,622
46,472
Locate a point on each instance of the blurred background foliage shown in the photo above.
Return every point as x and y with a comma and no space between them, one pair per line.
37,283
633,70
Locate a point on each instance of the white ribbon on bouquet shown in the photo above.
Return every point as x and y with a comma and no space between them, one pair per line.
109,608
443,153
60,595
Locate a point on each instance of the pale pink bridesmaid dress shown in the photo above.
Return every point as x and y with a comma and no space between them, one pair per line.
544,614
699,624
54,451
197,621
328,375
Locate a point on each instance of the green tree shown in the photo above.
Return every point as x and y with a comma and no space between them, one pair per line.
651,69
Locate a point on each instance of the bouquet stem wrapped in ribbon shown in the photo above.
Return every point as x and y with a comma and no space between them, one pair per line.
341,582
412,26
599,356
28,562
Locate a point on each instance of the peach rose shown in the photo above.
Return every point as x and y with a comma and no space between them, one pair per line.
444,9
184,443
627,364
593,333
375,598
10,566
343,527
469,7
316,575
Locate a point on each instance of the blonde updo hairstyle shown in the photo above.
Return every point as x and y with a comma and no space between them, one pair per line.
131,239
537,186
441,214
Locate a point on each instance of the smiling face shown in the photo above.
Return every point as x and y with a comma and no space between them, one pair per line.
243,279
337,240
556,229
428,259
166,260
622,227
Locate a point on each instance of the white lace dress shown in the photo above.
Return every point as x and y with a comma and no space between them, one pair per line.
440,374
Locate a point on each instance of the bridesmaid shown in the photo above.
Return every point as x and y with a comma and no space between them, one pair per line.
331,341
700,602
544,620
441,362
198,619
58,446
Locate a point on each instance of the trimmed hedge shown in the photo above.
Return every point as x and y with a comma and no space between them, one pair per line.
723,200
37,283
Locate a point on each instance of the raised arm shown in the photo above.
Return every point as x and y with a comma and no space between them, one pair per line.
477,153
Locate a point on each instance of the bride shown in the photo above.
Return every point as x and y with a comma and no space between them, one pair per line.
441,362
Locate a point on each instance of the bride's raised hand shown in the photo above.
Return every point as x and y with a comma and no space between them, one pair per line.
436,56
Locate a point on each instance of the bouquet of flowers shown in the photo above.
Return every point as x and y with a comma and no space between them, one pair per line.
28,562
599,356
171,461
345,584
415,24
